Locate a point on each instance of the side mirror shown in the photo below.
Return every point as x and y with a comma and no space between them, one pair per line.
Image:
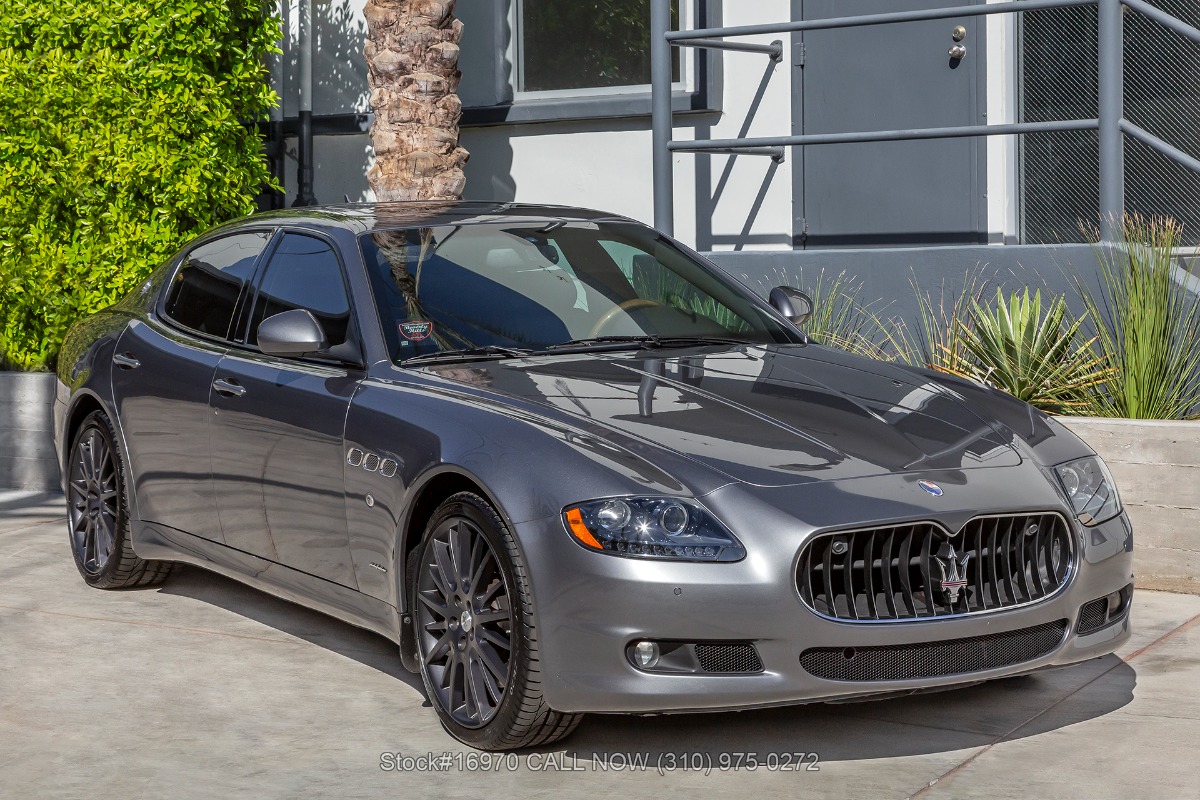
292,333
792,303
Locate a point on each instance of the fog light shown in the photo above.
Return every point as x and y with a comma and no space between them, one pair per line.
1115,603
645,654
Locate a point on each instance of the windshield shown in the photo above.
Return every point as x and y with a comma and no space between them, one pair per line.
531,285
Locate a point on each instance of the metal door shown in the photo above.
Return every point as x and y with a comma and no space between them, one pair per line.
278,455
278,461
161,381
888,77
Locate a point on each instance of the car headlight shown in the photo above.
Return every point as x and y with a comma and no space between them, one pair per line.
652,527
1090,488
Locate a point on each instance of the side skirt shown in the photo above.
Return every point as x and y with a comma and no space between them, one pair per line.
160,543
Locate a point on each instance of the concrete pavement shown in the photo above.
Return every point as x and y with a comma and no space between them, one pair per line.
203,688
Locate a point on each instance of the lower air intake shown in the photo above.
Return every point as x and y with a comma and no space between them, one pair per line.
1093,615
934,659
728,658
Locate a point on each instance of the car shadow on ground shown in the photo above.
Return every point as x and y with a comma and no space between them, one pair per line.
947,721
357,644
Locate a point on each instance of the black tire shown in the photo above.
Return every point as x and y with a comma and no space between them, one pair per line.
496,593
98,512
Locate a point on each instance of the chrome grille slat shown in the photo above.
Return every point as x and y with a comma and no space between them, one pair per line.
1009,584
1006,566
993,543
885,567
827,574
905,565
869,575
980,595
848,581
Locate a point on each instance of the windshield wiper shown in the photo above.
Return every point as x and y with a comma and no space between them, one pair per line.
646,340
467,354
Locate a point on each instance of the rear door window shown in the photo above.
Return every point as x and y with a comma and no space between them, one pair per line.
204,293
304,272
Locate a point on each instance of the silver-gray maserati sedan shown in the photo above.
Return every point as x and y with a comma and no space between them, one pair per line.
570,466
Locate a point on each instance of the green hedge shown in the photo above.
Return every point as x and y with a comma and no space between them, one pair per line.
122,133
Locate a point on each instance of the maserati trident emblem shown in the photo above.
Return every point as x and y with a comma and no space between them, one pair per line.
930,487
954,571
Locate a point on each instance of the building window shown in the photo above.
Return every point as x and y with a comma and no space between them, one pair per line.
573,47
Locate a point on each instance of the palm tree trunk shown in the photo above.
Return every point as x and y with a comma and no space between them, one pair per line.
412,64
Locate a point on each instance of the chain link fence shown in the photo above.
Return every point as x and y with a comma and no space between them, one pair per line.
1058,80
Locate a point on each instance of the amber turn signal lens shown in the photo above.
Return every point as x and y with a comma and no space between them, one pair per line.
580,531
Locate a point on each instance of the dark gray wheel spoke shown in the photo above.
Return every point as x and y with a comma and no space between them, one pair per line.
464,622
494,689
489,658
495,638
482,575
443,646
490,617
89,541
483,600
442,609
460,550
95,501
484,707
445,569
103,540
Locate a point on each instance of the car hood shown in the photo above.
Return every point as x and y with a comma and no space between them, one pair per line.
772,415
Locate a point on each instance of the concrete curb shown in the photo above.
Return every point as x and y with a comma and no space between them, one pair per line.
27,458
1156,464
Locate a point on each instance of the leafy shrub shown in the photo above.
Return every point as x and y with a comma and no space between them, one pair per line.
123,131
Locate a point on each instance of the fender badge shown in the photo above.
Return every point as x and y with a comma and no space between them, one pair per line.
930,487
416,331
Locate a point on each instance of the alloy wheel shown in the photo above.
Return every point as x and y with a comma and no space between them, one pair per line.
93,500
465,626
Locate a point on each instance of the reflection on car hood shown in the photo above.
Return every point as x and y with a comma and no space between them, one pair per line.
772,415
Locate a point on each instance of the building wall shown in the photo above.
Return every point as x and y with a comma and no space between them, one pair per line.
722,202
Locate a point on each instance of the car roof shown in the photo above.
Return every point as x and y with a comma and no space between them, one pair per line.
366,217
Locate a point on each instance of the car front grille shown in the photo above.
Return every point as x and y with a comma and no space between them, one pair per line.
934,659
922,571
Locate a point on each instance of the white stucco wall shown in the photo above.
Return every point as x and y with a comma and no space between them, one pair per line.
1002,153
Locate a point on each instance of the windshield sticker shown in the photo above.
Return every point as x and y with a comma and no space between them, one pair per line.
416,331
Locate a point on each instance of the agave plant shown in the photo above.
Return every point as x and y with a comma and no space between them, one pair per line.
1148,325
1031,352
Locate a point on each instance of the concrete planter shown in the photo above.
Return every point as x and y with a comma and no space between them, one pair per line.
27,459
1157,469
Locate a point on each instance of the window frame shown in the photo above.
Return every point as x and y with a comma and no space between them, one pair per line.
254,288
160,306
701,94
689,62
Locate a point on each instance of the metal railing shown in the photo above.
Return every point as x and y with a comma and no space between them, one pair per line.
1110,121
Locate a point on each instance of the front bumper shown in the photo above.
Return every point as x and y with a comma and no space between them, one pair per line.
591,606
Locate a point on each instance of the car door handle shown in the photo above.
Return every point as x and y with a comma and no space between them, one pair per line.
126,361
229,387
